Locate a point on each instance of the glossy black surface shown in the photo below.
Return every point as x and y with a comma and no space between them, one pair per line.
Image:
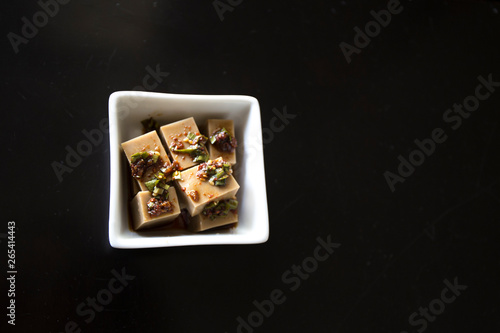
324,168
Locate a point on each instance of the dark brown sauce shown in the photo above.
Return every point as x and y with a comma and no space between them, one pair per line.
130,193
221,228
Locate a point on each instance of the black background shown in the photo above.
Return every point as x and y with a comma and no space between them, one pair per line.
324,171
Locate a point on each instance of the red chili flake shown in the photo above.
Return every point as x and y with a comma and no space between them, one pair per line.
194,195
176,144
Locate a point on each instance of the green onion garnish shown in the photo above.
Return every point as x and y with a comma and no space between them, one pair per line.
216,171
150,125
197,149
219,208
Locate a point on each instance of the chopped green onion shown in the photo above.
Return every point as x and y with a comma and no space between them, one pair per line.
150,125
223,140
197,149
177,175
219,174
216,171
213,137
135,157
211,205
151,184
202,157
219,208
157,185
232,204
189,150
157,191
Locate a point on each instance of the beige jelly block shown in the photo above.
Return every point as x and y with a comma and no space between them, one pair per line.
176,132
140,216
201,222
147,142
212,126
206,192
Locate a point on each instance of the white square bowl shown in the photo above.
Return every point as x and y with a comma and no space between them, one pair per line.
128,108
